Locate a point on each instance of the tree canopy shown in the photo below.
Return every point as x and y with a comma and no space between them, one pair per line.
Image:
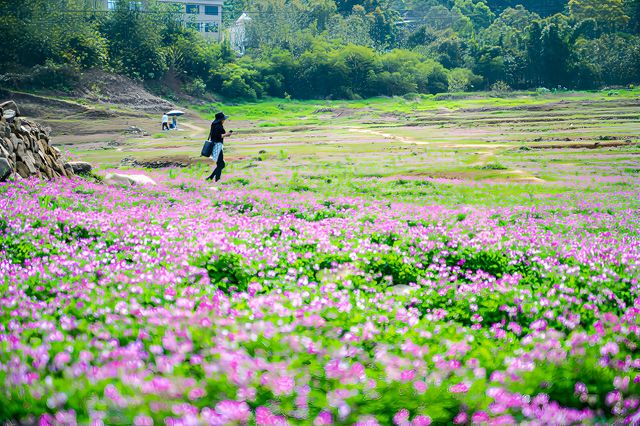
335,48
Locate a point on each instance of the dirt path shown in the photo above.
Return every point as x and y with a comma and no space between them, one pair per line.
198,131
402,139
526,177
484,157
411,141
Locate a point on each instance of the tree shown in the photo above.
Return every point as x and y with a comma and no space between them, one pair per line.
554,56
383,27
431,77
632,9
542,8
507,29
39,31
357,63
449,51
611,59
318,13
478,12
318,77
534,54
356,28
135,41
609,14
462,79
421,37
490,64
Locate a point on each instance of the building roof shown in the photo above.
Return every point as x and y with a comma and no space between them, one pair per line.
243,18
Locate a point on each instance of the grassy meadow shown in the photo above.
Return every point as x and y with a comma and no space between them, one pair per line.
420,149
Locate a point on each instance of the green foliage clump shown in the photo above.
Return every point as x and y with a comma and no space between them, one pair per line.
330,48
196,88
494,166
226,271
394,265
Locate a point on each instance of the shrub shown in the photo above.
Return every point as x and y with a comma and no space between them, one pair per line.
226,271
196,88
500,88
394,265
462,80
494,166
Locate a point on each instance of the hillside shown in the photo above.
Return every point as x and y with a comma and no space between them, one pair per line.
329,49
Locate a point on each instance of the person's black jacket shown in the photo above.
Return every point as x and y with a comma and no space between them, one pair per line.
216,132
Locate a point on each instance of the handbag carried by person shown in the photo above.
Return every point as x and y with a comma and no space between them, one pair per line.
207,149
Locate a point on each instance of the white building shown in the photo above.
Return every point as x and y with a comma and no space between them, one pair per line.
238,34
205,16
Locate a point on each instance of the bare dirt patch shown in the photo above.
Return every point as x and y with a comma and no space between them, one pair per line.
43,108
101,87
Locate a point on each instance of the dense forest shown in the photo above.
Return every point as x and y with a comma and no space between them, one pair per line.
332,48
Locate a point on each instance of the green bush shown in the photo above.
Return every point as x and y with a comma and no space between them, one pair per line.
226,271
196,88
394,265
462,80
494,166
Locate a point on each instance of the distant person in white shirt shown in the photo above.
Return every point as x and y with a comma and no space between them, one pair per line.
165,122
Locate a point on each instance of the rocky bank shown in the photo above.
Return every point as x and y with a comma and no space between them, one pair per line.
25,149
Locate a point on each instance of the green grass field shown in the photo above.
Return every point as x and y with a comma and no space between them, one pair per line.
520,145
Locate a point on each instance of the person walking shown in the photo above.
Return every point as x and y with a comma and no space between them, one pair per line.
165,122
217,135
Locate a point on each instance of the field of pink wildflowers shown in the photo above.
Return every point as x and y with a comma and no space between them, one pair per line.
182,306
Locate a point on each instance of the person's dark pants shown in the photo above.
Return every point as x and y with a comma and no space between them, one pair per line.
217,172
165,126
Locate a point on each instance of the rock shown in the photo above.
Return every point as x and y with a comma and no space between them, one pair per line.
79,167
58,167
15,141
133,130
3,152
9,110
22,169
6,144
21,150
30,162
122,179
5,169
161,163
48,173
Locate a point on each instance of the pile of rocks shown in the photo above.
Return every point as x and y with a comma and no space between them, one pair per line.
136,131
25,150
161,163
